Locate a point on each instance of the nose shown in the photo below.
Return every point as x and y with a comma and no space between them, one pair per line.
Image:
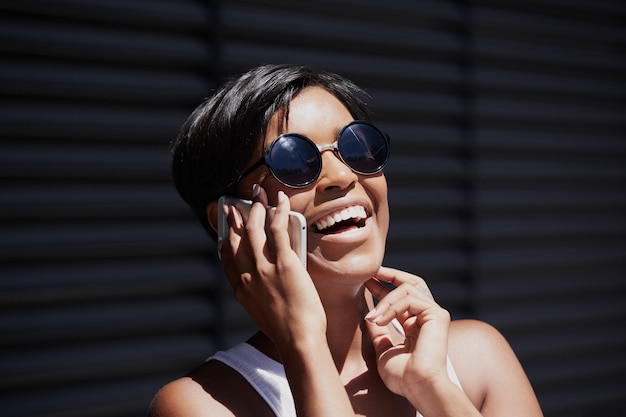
335,173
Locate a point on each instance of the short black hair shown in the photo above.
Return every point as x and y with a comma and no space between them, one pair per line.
220,137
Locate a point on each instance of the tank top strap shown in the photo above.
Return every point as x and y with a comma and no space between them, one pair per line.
264,374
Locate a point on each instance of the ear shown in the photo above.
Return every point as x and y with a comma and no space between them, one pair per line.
211,214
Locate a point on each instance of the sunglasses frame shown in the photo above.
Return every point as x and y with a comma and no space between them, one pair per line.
264,160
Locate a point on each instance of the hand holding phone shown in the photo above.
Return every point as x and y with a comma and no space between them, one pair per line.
297,224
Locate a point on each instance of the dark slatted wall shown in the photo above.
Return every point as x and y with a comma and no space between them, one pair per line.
548,94
507,182
103,294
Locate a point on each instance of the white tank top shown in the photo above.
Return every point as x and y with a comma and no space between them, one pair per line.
268,378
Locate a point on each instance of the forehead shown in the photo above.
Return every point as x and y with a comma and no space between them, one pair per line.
314,112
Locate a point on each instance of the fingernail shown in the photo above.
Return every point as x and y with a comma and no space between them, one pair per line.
370,314
256,189
281,196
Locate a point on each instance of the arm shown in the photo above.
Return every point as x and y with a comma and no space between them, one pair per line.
495,378
314,380
185,397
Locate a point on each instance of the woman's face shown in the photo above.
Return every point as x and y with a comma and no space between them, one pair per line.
355,249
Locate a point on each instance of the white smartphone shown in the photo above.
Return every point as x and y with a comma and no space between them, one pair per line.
297,224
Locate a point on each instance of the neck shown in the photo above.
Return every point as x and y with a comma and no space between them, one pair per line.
346,335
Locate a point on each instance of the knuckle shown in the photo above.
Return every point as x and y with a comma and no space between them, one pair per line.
274,228
282,267
249,228
241,284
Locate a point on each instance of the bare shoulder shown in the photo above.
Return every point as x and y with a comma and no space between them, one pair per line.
212,390
489,371
473,336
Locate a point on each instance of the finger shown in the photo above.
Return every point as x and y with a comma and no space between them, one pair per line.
377,289
385,301
257,214
255,226
397,277
238,238
279,227
239,242
236,224
259,195
233,255
402,303
380,337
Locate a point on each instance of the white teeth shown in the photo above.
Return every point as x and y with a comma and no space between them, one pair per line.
353,212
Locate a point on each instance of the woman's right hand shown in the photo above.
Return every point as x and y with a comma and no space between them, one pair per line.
267,276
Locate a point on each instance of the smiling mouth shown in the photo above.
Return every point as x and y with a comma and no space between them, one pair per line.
343,220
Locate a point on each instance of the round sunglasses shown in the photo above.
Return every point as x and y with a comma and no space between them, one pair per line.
296,161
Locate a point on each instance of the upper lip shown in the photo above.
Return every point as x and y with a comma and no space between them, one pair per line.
338,205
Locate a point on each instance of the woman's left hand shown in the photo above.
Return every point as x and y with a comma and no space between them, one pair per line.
421,360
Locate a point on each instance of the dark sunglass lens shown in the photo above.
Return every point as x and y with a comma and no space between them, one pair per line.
294,160
364,148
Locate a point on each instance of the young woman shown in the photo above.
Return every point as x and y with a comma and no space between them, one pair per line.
299,139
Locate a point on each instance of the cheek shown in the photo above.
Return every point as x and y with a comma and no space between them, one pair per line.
384,220
265,180
378,193
382,224
377,189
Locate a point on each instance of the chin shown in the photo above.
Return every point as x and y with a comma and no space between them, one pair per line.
355,268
